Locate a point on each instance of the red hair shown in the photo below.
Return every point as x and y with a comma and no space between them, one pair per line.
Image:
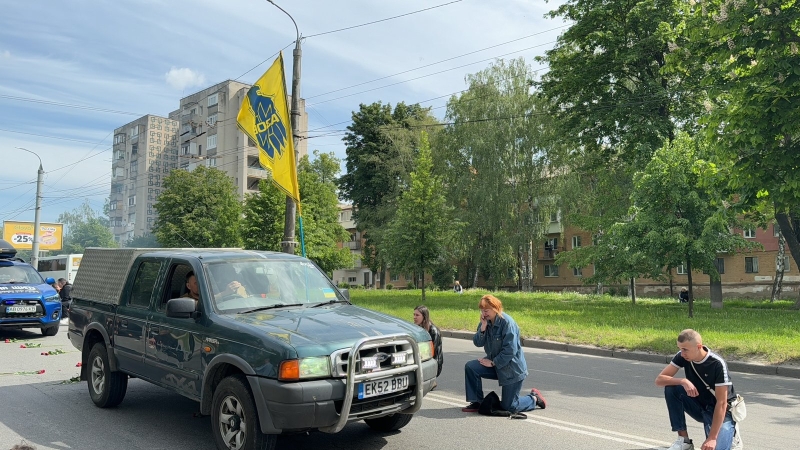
489,301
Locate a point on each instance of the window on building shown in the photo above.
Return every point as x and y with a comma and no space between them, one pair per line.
554,216
112,206
751,264
351,279
212,162
132,200
134,149
681,269
550,270
212,120
213,99
577,271
786,267
395,277
750,233
776,230
211,142
720,265
576,241
134,131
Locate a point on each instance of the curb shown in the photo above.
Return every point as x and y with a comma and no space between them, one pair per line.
735,366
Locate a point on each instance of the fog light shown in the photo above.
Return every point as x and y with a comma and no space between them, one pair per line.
55,314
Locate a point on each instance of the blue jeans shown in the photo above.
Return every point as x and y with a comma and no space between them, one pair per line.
678,403
510,400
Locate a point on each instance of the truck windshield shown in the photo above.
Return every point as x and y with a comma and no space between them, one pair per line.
243,285
19,275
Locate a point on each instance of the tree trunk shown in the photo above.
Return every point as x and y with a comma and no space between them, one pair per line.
423,287
671,286
475,278
691,292
789,230
382,281
633,290
599,290
777,285
715,288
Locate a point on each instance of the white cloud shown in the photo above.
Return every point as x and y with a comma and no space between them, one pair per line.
6,54
184,78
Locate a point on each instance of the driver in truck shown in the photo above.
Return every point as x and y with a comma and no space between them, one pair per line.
224,278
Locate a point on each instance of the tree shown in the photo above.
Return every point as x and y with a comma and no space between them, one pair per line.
745,54
146,240
85,227
491,158
678,214
263,221
320,208
377,170
198,209
421,231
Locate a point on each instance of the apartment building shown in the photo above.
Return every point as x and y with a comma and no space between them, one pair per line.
144,152
202,131
358,275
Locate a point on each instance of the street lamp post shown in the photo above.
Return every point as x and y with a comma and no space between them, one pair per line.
36,231
288,244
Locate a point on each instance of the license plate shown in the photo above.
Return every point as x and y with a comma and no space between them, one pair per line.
20,309
382,387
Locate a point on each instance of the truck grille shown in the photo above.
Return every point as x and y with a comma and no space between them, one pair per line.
384,352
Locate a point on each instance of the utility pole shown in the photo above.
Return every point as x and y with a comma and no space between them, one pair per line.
289,244
36,230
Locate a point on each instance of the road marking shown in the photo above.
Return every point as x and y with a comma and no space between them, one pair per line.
572,427
573,376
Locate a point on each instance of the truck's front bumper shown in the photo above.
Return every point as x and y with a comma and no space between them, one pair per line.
317,404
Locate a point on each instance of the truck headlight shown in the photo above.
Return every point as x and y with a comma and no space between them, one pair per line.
53,298
303,368
425,350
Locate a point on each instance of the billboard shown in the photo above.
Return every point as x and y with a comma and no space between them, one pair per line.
20,235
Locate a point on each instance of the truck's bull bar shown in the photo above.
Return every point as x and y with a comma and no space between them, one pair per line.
352,378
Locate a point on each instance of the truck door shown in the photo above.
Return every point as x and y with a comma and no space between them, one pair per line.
174,349
132,314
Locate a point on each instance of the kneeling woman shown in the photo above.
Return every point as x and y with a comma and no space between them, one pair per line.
498,334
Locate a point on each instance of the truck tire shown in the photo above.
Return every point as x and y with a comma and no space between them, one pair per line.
50,331
389,423
106,388
234,419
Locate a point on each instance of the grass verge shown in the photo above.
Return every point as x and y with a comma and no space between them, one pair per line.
744,330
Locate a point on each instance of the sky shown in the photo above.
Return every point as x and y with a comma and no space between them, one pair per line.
73,71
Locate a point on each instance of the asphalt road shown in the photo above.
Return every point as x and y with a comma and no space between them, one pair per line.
594,402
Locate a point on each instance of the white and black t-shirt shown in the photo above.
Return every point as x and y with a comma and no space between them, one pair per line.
713,370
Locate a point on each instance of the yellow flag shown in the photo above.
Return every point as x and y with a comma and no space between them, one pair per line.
264,117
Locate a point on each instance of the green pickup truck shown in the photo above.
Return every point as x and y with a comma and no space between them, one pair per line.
264,341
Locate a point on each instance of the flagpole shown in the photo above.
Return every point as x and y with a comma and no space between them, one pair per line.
288,244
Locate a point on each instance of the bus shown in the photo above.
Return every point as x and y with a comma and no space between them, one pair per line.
61,266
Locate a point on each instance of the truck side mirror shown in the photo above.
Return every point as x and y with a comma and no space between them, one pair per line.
346,293
182,308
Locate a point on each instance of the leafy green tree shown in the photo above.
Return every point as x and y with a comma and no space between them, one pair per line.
198,209
146,240
377,170
263,222
745,55
491,158
320,208
85,227
421,231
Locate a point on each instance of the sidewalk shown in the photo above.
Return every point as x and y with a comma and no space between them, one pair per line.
734,366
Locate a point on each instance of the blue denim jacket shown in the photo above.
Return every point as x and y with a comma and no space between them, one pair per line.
502,346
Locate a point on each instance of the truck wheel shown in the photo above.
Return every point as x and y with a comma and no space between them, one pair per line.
234,419
106,388
50,331
389,423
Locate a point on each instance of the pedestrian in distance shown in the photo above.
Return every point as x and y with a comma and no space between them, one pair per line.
498,334
422,318
704,394
684,295
65,293
457,288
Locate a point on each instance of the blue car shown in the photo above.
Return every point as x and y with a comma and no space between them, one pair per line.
26,299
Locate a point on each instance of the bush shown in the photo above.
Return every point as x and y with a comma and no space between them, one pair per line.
343,285
410,285
389,287
432,287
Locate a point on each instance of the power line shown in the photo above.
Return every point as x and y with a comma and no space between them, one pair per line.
68,105
383,20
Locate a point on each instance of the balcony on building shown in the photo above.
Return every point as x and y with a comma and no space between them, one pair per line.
353,245
257,172
549,254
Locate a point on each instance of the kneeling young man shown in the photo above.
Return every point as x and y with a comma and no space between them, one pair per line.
703,394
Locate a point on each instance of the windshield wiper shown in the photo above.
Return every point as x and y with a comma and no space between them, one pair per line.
330,302
264,308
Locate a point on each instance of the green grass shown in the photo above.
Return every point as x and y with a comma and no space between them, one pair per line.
746,330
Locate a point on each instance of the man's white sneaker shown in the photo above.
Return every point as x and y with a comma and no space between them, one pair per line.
680,444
